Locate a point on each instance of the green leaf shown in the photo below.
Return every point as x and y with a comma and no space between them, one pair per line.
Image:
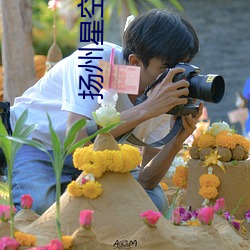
5,144
85,140
172,207
56,147
71,136
20,123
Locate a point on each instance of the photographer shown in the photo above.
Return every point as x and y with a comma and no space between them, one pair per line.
154,41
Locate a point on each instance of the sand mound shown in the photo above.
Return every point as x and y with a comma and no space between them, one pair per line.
117,224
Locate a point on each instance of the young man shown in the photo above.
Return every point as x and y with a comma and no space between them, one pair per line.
154,41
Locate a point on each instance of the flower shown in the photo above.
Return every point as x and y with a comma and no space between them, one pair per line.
92,189
164,186
150,217
247,214
105,116
75,189
209,180
236,224
219,206
54,4
25,239
205,141
176,217
208,192
5,212
55,244
8,243
26,201
180,177
86,218
206,215
67,242
217,127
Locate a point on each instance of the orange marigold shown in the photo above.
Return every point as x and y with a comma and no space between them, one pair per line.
243,141
226,139
209,180
180,177
206,141
208,192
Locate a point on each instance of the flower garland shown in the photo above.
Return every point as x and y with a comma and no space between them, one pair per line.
95,163
208,186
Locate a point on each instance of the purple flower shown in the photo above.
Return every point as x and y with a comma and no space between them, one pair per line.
247,214
236,224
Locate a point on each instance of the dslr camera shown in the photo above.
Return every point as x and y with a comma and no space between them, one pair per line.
209,88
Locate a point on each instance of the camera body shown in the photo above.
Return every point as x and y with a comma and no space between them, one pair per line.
209,88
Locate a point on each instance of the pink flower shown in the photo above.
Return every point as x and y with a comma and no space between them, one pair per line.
86,218
150,217
176,217
84,180
26,201
206,215
8,243
219,206
5,212
53,4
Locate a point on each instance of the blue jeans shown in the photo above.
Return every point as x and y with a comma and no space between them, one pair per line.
33,174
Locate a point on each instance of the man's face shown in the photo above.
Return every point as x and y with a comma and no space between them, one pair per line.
149,75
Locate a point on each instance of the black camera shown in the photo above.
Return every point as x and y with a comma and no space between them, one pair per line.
209,88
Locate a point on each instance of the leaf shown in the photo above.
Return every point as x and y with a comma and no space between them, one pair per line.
20,123
5,144
172,207
71,136
56,147
85,140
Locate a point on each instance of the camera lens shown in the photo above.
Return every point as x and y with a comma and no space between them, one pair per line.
209,88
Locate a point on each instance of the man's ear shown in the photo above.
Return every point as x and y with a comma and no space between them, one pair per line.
134,60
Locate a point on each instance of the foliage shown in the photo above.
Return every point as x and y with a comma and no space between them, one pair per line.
60,152
9,149
42,19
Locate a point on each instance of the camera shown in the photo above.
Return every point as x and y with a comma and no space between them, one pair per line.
209,88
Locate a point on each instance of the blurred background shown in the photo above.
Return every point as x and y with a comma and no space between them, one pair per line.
27,35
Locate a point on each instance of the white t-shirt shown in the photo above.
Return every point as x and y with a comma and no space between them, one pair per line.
58,92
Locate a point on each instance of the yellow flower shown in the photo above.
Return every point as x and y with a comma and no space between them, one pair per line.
94,169
75,189
208,192
206,141
27,240
213,158
180,177
193,223
242,141
209,180
67,242
92,189
164,186
226,140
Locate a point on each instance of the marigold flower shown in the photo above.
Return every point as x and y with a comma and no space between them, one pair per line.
8,243
94,169
209,180
92,189
67,242
164,186
226,140
206,141
86,218
26,201
193,223
180,177
208,192
206,215
150,217
75,189
219,206
24,239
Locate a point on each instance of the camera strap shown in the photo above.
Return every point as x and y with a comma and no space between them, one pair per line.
131,138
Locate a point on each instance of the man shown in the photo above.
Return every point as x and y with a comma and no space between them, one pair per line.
153,41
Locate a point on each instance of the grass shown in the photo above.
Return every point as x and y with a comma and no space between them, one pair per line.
4,193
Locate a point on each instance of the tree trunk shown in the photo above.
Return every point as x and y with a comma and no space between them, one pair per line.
17,47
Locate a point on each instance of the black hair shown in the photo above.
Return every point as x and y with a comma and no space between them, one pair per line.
161,34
